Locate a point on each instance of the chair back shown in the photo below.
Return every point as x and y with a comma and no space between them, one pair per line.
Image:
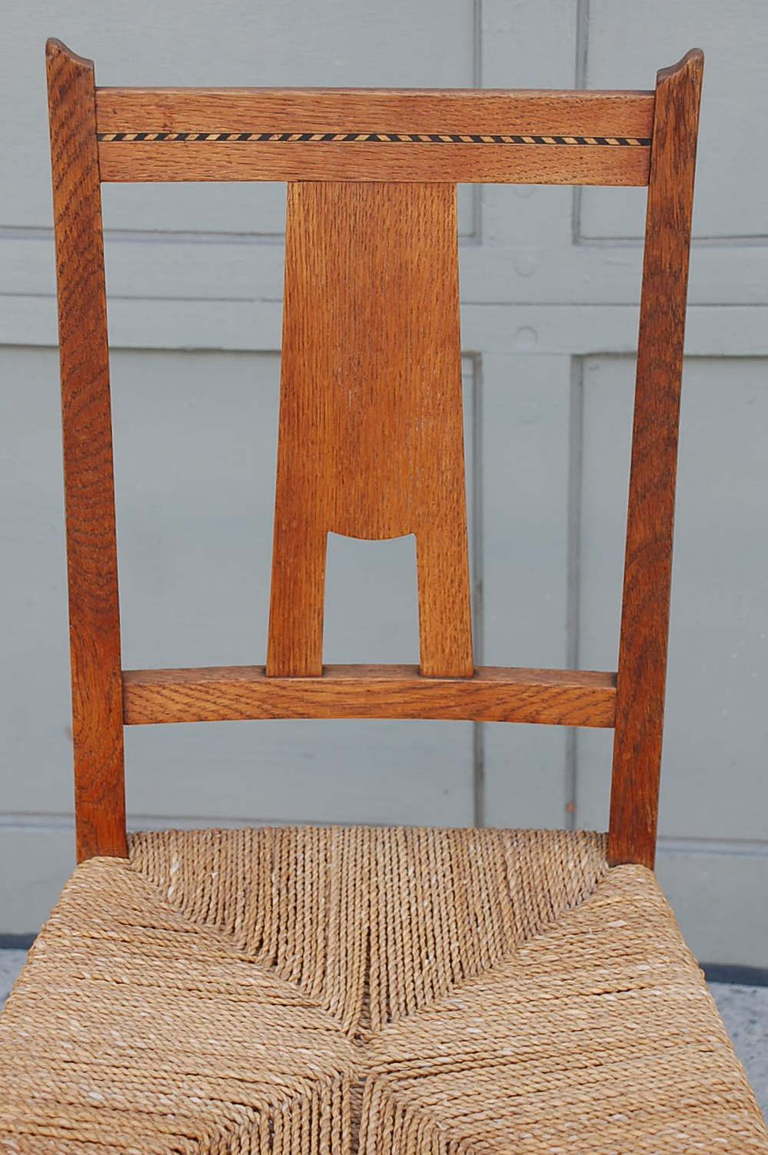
370,432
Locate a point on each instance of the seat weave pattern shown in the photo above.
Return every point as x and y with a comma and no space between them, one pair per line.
342,990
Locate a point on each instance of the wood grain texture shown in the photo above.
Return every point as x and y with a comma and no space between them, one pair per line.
494,694
357,161
88,472
371,424
456,110
459,111
650,518
371,431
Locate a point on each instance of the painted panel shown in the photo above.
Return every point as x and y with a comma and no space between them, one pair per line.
623,49
525,454
344,43
716,730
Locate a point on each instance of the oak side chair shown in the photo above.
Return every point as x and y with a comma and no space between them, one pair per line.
386,990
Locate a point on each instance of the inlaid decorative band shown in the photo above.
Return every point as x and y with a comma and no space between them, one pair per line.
372,138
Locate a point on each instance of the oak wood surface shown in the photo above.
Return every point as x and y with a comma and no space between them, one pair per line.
650,516
468,110
88,473
370,440
357,161
622,115
370,429
494,694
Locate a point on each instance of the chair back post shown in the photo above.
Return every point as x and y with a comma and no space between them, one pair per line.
94,614
640,686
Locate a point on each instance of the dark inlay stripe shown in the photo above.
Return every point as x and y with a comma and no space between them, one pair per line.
374,138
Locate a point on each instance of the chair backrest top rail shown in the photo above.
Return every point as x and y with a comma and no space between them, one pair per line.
405,110
474,135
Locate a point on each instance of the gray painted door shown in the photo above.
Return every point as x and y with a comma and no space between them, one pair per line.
550,282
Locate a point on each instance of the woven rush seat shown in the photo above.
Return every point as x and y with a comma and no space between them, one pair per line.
363,989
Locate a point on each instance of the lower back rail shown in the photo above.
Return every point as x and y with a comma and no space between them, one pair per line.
492,694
